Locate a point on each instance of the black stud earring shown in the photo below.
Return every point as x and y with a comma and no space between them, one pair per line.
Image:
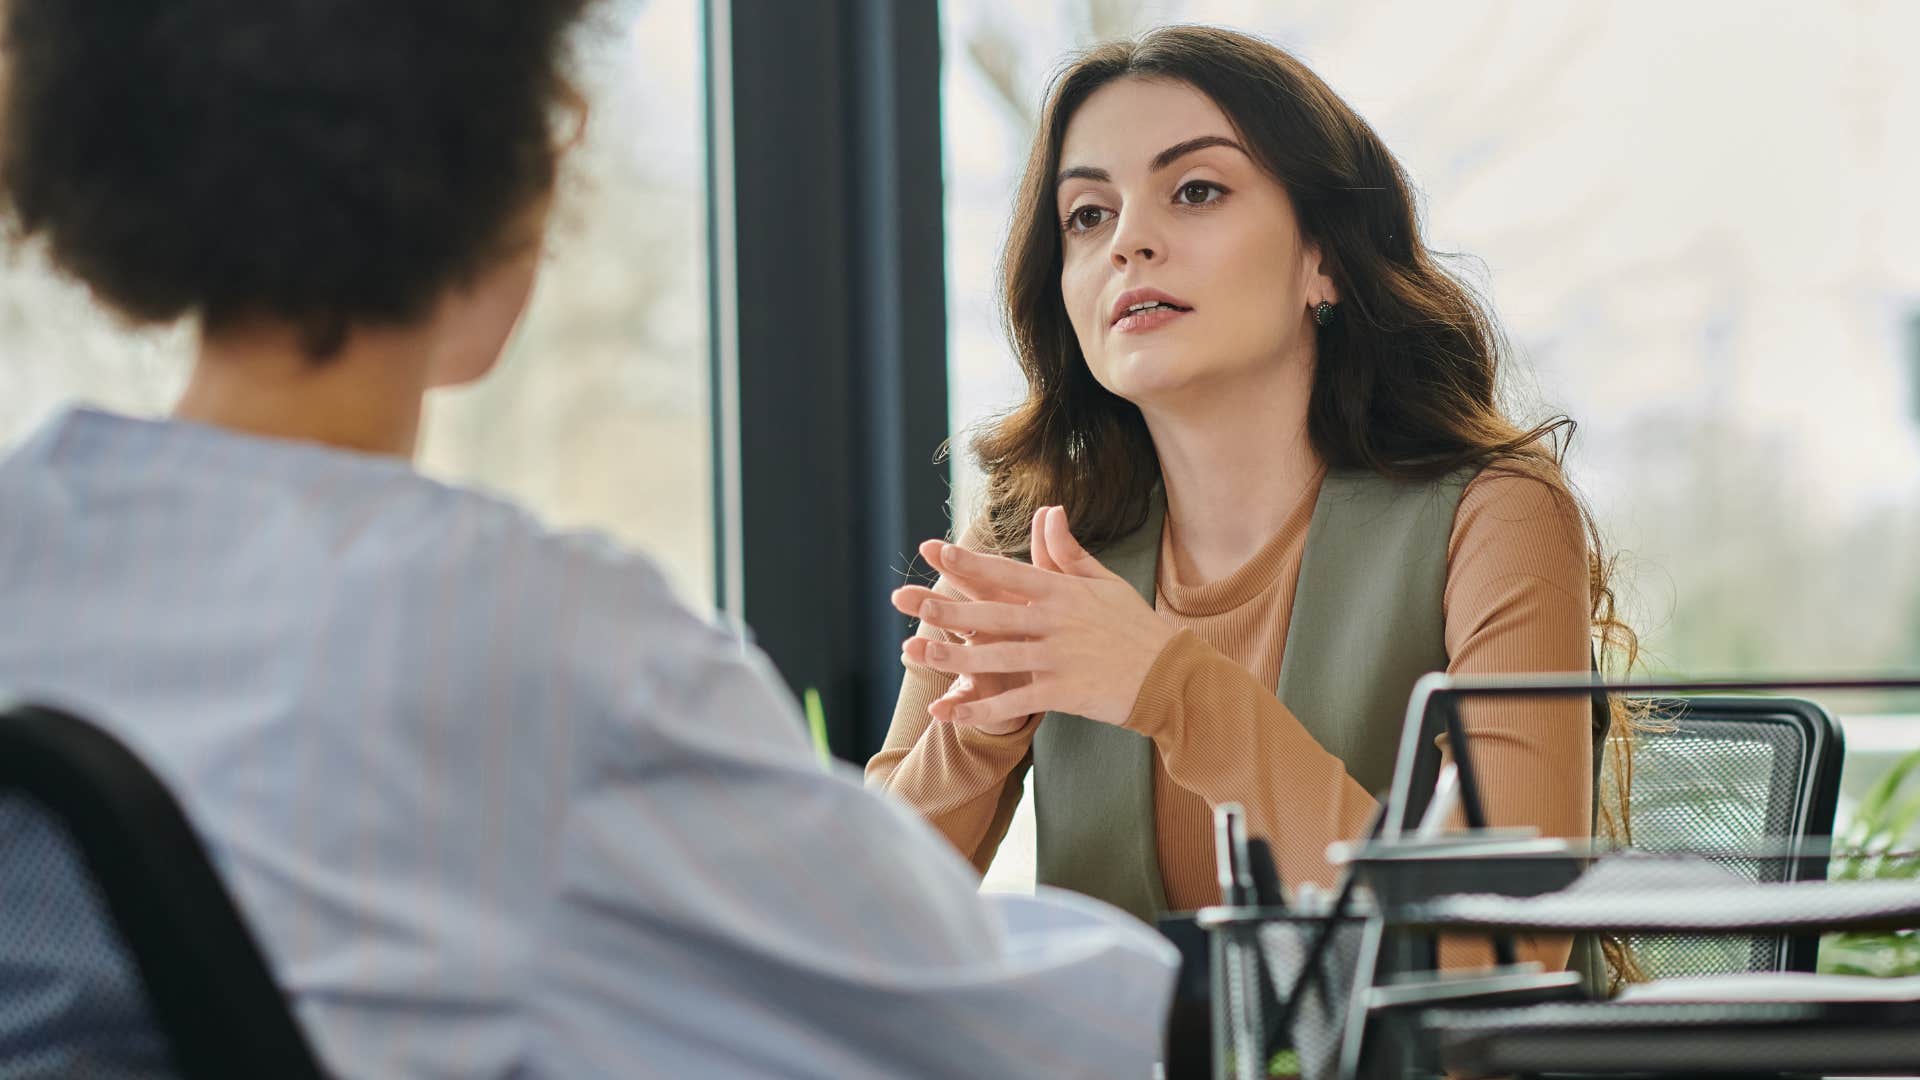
1323,313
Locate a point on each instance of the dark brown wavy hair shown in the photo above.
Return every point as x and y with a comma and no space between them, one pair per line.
1404,382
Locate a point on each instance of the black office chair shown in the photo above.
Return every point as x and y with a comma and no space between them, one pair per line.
121,954
1733,772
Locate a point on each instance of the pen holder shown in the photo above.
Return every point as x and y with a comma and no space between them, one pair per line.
1256,959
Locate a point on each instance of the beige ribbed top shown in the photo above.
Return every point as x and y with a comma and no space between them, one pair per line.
1516,600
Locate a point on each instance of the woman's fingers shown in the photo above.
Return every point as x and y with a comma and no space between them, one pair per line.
980,575
908,599
913,599
977,617
999,711
965,618
1067,554
1042,558
958,695
998,658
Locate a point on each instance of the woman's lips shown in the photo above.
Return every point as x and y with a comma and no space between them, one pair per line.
1147,320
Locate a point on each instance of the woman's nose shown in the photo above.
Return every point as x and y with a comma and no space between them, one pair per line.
1136,240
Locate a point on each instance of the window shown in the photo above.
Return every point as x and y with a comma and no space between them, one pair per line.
57,346
597,415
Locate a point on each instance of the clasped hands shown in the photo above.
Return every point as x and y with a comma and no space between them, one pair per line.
1063,633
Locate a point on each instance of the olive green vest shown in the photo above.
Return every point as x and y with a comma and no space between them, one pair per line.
1367,623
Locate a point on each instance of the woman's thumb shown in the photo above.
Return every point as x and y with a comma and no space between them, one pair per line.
1066,551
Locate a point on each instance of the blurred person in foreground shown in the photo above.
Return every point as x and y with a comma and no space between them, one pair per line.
493,802
1261,481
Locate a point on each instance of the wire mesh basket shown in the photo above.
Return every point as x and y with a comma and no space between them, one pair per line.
1258,957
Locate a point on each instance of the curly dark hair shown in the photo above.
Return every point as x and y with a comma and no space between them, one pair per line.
320,162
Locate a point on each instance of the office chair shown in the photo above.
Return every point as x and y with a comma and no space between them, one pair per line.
121,954
1729,773
1750,784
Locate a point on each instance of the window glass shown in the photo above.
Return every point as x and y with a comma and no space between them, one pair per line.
597,415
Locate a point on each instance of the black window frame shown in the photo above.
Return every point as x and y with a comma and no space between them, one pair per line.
828,334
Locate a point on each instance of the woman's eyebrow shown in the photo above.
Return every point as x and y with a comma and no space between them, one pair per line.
1083,172
1179,150
1160,160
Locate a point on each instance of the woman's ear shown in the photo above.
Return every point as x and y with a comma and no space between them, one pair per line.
1319,283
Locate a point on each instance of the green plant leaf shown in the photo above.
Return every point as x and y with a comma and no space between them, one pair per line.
1898,869
817,725
1900,821
1871,850
1871,820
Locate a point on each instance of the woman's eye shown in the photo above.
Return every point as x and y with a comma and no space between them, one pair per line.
1085,218
1199,192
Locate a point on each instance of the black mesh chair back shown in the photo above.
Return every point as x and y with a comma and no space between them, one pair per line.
121,954
1734,772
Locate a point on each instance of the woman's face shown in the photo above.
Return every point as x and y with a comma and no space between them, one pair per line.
1159,205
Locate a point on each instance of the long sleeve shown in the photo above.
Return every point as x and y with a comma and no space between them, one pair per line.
967,784
1515,601
1223,735
713,882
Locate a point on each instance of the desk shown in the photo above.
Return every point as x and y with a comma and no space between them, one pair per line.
1607,1038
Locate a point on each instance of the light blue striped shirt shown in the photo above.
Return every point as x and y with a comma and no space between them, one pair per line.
496,804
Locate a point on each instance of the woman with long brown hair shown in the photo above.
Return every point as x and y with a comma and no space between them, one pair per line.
1261,481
